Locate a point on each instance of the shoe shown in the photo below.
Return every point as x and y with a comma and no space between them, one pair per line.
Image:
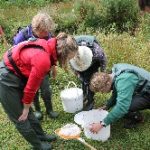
48,138
38,115
88,106
52,114
44,146
132,123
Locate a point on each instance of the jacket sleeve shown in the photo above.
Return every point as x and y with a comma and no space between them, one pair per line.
40,67
125,86
54,58
19,37
99,56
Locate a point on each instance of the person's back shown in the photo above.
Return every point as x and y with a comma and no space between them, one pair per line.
99,56
23,35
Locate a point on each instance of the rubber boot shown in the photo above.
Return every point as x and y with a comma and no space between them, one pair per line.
43,146
38,114
49,109
48,138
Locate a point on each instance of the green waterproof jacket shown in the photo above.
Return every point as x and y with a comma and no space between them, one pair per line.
128,81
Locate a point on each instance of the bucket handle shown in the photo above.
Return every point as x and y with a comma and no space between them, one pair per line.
71,82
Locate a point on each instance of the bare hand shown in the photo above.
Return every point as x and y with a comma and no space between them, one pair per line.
24,114
95,127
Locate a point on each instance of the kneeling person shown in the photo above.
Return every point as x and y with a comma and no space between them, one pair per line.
130,86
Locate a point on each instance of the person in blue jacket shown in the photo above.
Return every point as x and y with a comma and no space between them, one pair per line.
130,87
41,27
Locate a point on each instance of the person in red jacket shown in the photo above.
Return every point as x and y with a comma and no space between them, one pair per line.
41,27
22,70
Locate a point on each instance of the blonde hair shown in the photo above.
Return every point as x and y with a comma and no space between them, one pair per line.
42,22
100,82
65,45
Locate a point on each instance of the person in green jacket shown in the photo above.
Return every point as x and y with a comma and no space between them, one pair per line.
130,86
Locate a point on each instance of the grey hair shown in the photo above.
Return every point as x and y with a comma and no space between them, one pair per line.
100,82
42,22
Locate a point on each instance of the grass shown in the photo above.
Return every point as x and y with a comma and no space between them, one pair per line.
118,48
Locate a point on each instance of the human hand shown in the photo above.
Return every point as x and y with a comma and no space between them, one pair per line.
96,127
25,113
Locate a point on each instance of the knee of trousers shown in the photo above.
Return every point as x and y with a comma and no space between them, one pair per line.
24,126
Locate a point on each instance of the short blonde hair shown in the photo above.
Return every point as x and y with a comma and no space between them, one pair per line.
42,22
100,82
65,45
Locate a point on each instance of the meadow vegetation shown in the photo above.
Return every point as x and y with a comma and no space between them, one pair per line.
123,34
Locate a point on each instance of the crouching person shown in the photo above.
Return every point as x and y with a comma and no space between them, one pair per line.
21,73
130,86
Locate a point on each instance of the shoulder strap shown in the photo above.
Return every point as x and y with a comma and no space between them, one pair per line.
15,66
12,62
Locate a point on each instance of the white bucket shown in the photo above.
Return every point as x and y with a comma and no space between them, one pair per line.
72,99
85,118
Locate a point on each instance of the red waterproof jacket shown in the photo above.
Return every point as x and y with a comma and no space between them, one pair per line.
34,63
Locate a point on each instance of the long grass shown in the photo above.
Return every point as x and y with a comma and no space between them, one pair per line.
118,48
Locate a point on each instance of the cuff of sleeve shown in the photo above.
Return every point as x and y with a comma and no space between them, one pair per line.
106,121
26,102
102,123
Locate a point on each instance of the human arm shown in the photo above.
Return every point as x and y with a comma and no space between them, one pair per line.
40,66
23,35
125,85
19,37
25,112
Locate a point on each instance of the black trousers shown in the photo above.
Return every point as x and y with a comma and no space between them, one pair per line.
139,102
46,94
11,92
85,77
